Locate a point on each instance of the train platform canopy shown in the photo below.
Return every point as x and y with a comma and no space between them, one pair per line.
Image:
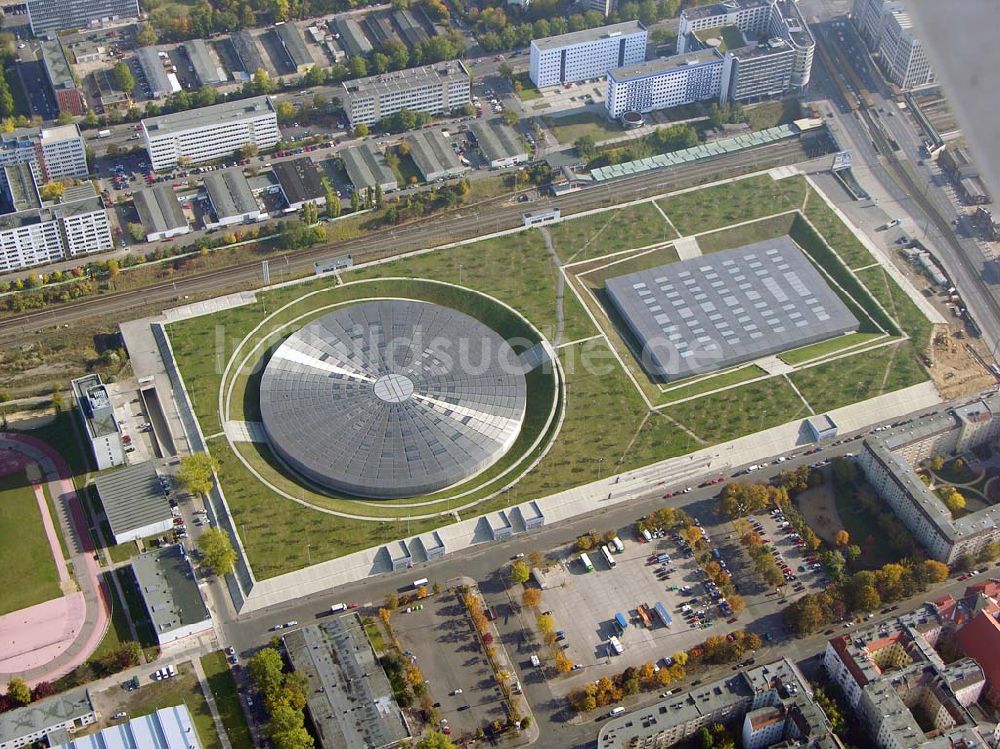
696,153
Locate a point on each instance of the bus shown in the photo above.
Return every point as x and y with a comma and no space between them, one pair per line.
419,583
608,558
585,561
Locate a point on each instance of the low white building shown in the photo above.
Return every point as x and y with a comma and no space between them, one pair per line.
167,728
499,144
53,719
104,433
170,591
134,502
231,199
591,53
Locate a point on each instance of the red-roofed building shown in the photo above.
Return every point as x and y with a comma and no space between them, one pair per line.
980,640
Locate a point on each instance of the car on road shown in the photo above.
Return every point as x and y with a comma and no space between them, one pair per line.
456,691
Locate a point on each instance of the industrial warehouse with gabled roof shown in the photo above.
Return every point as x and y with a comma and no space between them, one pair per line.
205,68
300,182
160,213
231,198
134,502
706,313
432,154
499,143
170,590
366,166
294,46
349,696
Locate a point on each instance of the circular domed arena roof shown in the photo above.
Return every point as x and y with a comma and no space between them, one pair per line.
395,398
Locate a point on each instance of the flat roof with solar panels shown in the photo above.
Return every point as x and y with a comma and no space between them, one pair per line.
711,312
379,399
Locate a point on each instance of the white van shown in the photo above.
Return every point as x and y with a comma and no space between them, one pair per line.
338,607
535,662
616,711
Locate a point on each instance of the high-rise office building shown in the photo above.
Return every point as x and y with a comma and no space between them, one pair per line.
48,16
591,53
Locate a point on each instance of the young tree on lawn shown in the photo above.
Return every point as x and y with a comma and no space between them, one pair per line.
843,538
333,207
519,572
435,740
123,77
217,551
18,691
531,597
196,471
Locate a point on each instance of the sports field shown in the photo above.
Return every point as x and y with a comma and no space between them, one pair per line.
25,555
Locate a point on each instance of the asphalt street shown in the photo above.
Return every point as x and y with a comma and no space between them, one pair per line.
913,189
483,563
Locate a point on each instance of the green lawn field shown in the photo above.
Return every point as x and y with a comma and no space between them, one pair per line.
25,555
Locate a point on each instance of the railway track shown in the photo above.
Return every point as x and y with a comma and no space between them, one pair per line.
458,224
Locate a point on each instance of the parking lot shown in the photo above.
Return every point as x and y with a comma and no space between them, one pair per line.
802,569
584,604
442,641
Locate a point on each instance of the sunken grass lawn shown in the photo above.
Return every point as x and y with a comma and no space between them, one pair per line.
611,231
732,202
772,113
898,304
856,378
757,231
25,555
826,348
730,377
569,128
528,90
837,234
227,699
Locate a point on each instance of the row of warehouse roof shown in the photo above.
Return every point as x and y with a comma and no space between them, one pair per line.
233,198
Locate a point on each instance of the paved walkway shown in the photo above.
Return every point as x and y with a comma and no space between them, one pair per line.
210,699
687,248
40,652
52,536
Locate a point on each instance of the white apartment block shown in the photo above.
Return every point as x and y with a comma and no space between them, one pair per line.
762,22
210,133
27,240
904,59
85,227
664,83
103,431
435,89
64,153
44,235
887,461
591,53
53,153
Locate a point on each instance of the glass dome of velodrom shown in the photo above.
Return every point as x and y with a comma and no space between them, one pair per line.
392,398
